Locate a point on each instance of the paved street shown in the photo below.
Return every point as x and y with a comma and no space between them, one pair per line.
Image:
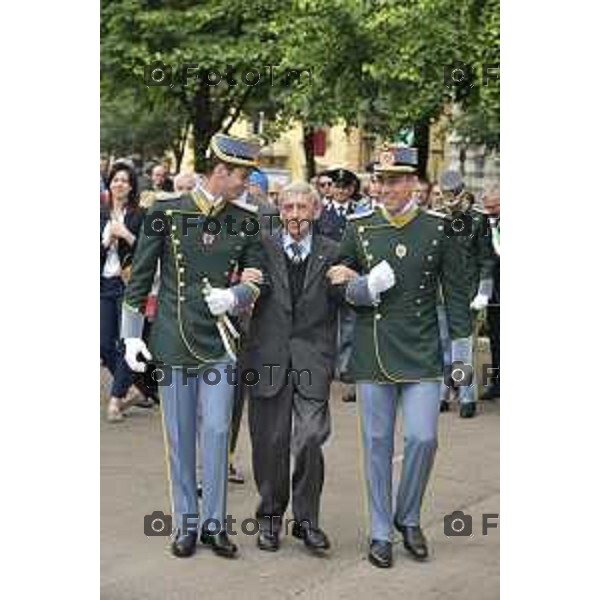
465,477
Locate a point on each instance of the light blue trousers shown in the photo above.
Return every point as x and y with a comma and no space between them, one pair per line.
179,403
466,394
378,405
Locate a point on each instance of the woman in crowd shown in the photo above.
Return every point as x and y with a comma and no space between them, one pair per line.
120,221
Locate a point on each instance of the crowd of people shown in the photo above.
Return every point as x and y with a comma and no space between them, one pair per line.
375,281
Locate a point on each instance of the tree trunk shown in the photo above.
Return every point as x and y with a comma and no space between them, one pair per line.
309,150
422,144
202,127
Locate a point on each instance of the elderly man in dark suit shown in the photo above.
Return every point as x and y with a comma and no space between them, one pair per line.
293,348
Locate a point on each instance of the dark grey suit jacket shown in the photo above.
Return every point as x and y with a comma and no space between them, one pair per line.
307,345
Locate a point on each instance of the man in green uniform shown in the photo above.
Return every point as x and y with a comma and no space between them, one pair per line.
402,255
200,240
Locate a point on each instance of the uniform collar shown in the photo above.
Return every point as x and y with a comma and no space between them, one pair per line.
409,212
305,243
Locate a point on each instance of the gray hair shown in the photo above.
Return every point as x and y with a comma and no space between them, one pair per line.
299,188
491,189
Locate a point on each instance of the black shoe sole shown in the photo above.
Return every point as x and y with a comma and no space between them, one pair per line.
379,564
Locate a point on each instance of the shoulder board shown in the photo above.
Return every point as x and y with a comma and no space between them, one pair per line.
245,206
439,215
360,215
162,196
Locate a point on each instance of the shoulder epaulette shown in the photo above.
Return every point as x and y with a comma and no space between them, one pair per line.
439,215
360,215
245,206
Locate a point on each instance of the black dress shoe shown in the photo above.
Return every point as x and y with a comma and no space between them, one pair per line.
184,545
444,406
268,541
219,543
380,554
313,537
468,410
414,540
491,392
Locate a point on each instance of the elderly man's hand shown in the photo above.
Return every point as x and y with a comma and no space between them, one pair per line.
340,274
251,275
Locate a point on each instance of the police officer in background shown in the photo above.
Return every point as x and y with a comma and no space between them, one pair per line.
403,255
193,338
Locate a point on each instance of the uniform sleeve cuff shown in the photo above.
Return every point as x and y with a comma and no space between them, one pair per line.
357,292
245,294
132,322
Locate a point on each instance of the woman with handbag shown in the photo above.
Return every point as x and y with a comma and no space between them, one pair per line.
120,221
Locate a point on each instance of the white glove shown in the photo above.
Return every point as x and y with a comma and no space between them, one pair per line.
381,278
133,347
479,302
220,301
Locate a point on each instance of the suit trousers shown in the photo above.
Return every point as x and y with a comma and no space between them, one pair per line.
179,404
378,406
493,322
288,423
112,356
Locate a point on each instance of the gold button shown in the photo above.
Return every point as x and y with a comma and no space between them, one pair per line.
181,269
361,229
440,227
418,300
181,298
369,257
421,287
418,314
179,256
182,284
176,241
168,212
429,257
378,316
366,243
226,273
435,242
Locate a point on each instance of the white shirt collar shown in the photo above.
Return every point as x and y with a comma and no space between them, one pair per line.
305,244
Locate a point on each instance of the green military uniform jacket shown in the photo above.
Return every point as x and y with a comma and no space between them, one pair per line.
398,340
479,250
175,236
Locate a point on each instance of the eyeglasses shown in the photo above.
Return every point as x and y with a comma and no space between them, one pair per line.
324,183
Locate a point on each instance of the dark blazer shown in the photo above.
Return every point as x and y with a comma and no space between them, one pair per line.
133,222
330,224
306,342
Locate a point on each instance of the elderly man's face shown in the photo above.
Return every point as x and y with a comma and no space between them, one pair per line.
297,212
397,191
158,175
491,204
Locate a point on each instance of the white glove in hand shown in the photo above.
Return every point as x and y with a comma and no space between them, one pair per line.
381,278
220,301
133,347
479,302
